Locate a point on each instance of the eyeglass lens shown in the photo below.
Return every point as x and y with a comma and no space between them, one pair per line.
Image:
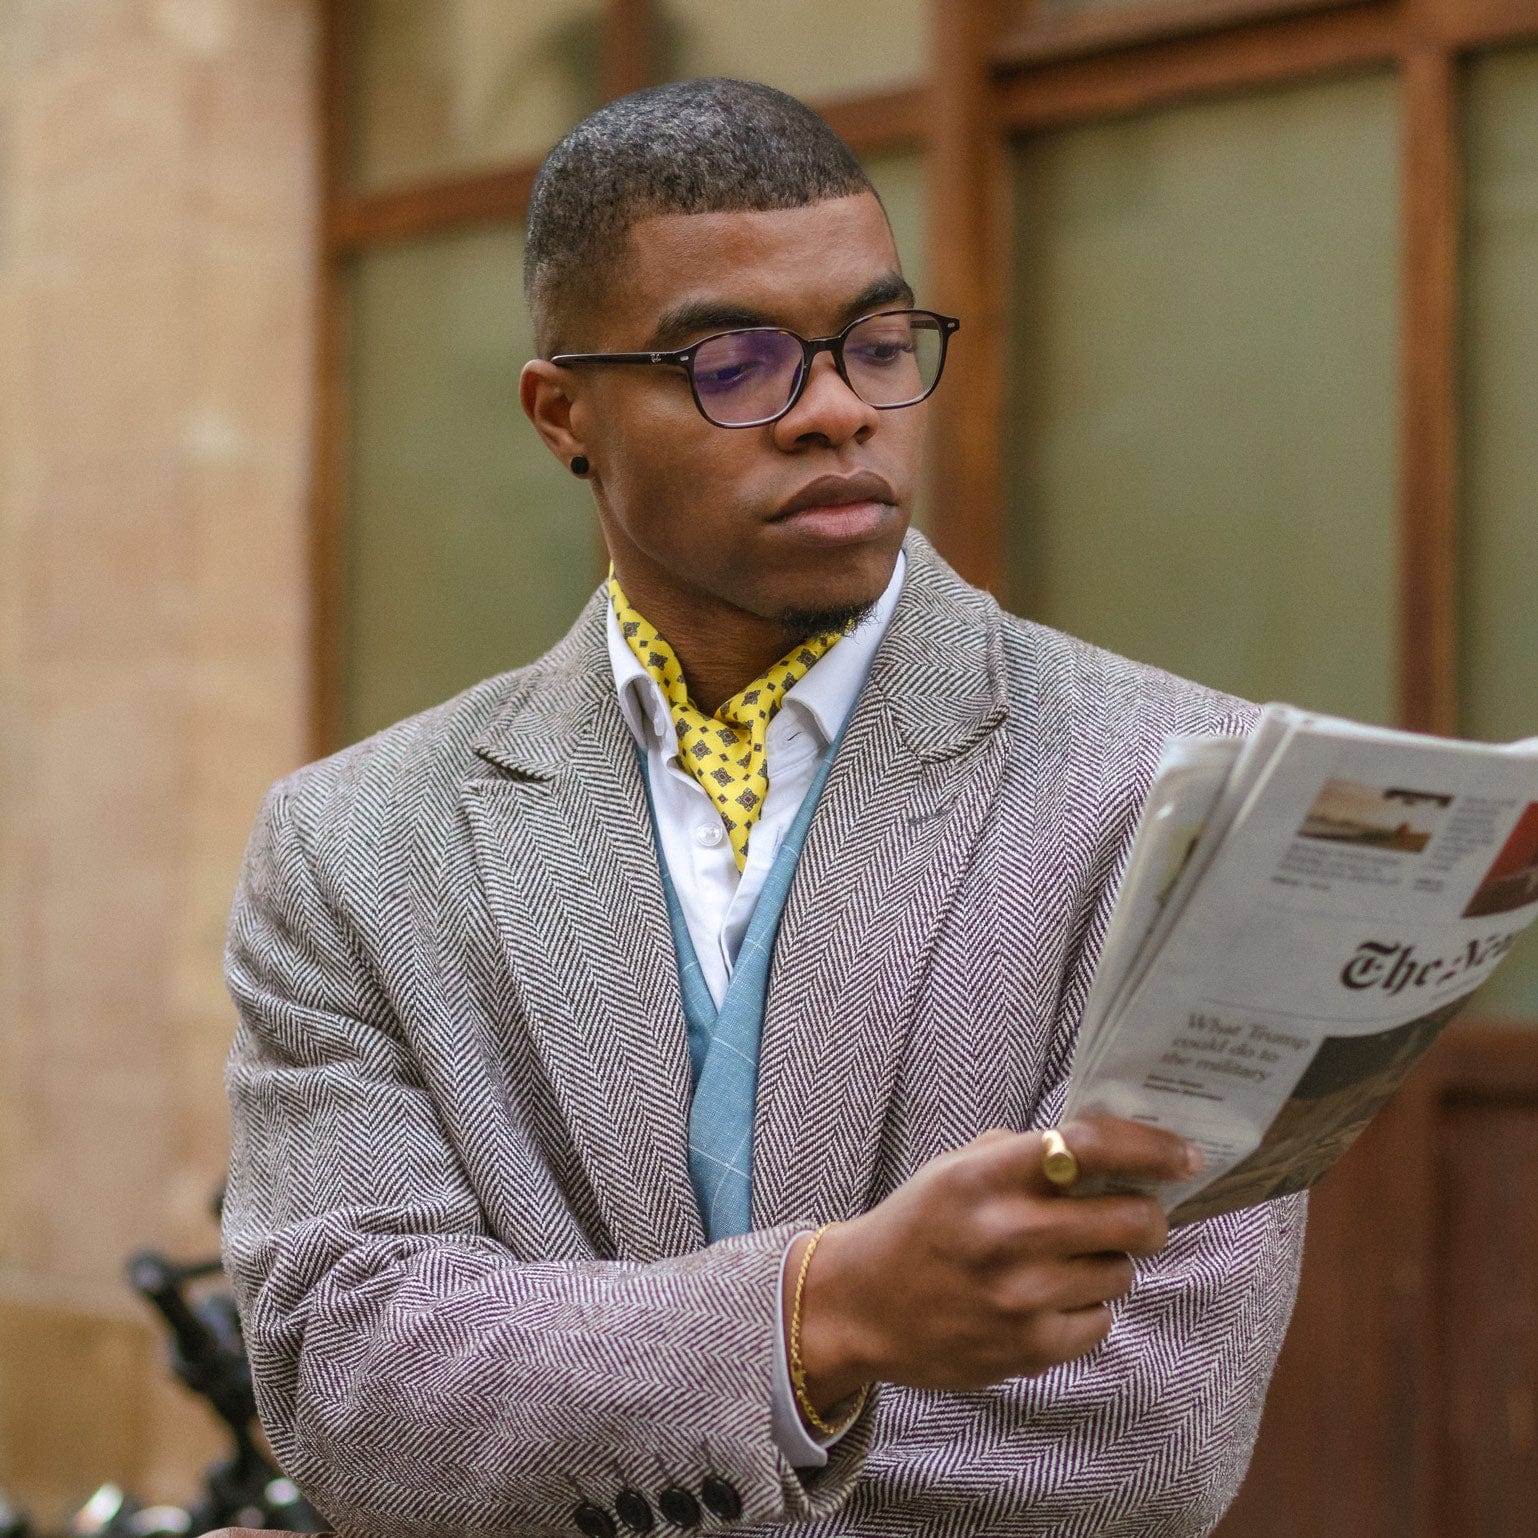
749,376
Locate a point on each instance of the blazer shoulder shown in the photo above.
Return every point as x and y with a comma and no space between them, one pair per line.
405,769
1050,676
1106,692
426,756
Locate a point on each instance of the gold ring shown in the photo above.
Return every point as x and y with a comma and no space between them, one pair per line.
1057,1161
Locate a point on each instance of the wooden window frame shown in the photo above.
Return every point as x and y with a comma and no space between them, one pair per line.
998,71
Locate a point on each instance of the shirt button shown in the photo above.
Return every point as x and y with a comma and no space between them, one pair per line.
709,834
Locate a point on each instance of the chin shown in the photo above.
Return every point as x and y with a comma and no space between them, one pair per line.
826,605
802,624
811,588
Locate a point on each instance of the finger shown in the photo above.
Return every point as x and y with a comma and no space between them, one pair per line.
1086,1281
1057,1337
992,1135
1020,1228
1063,1286
1037,1227
1111,1146
1128,1225
1103,1146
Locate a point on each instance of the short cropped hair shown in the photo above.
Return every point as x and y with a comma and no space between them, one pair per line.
691,147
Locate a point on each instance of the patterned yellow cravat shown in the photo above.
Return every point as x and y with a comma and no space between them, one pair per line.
724,752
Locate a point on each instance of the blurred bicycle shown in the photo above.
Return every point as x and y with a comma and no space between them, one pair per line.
208,1355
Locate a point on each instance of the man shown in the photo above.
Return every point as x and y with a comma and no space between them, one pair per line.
573,1012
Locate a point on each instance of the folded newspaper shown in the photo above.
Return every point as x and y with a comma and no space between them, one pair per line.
1303,911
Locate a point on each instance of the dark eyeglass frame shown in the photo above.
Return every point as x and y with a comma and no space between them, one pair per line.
683,357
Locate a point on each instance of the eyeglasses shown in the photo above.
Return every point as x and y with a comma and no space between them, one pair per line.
753,376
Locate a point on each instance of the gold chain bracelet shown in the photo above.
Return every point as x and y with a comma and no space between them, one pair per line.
798,1368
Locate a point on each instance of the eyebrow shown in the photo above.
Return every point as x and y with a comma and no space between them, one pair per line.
701,317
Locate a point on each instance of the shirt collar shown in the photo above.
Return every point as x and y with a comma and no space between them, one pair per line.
826,694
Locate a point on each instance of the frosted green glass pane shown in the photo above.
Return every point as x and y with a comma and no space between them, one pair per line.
1512,994
1201,419
1500,643
810,48
467,548
899,179
456,85
1500,515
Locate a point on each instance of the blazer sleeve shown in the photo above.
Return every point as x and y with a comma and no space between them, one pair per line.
413,1375
1153,1432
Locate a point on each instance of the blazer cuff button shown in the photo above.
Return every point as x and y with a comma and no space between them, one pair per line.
594,1521
679,1507
722,1498
634,1511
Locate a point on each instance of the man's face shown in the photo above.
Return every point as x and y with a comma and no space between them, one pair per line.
695,514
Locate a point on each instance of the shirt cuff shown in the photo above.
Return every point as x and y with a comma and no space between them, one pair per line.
802,1449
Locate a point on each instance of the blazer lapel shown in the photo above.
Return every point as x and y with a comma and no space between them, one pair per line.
893,835
566,860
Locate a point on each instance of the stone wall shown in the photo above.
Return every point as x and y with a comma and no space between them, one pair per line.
158,192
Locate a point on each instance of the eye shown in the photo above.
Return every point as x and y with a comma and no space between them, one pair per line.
739,359
726,376
881,342
879,352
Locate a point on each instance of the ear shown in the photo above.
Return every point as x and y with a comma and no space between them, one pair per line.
543,392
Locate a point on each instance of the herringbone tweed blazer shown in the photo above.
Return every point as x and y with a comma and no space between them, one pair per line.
473,1280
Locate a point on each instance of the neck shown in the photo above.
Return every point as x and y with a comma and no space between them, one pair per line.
721,649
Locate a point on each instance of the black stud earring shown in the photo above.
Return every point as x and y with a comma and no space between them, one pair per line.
580,466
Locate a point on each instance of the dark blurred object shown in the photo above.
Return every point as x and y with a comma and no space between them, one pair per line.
112,1510
13,1520
207,1352
208,1355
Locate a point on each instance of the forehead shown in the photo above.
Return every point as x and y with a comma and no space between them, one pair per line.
793,265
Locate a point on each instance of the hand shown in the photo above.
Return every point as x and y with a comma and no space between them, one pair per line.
977,1268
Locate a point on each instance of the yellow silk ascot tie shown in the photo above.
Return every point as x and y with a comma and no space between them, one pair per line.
724,752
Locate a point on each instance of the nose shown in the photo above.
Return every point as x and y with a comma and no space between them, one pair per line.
828,413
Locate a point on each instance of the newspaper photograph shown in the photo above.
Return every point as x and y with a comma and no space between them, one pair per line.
1303,911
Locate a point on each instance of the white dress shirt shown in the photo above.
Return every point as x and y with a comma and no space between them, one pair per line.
717,901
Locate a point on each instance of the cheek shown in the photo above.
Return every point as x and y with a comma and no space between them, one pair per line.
910,429
675,482
653,417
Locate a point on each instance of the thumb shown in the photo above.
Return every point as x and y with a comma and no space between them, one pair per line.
992,1135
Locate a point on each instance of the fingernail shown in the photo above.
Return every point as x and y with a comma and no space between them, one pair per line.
1195,1158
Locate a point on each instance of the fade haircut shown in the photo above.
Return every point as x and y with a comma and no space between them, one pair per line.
691,147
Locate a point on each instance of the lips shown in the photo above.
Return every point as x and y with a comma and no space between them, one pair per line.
837,491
